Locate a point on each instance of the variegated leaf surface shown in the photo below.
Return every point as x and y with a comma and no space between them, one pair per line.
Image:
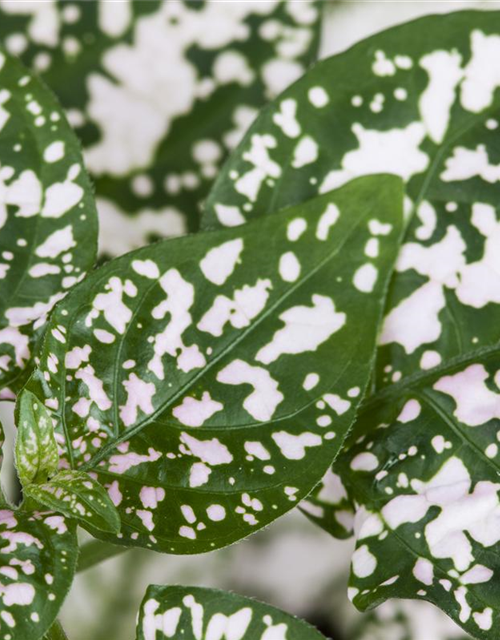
77,495
38,554
423,469
36,448
48,222
209,381
421,108
425,108
331,506
155,134
195,613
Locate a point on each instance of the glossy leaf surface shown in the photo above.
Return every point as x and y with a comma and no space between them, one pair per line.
425,109
77,496
194,613
210,380
36,448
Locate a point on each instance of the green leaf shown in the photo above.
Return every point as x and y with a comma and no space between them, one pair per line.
56,632
38,553
48,224
330,506
37,458
77,495
426,109
209,381
395,115
155,135
196,613
426,483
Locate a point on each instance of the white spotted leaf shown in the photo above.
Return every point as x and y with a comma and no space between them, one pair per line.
196,613
36,449
77,495
38,555
209,381
154,158
428,110
422,467
48,221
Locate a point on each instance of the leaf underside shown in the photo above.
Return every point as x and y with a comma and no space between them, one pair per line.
426,109
209,381
155,135
195,613
48,222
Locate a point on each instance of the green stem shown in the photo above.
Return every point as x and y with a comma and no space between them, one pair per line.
94,552
56,632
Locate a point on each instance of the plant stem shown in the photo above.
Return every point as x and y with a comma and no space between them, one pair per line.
56,632
94,552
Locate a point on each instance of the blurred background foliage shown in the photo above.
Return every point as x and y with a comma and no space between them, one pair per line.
159,92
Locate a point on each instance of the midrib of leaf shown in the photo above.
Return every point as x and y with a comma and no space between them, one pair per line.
454,426
437,565
423,377
417,554
472,122
244,334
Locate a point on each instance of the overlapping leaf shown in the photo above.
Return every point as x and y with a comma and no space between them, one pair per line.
77,495
209,381
427,484
155,134
426,109
209,614
422,108
330,506
38,553
36,448
48,223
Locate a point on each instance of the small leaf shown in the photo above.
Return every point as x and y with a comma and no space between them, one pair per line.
48,221
38,554
209,381
36,449
194,613
154,158
77,495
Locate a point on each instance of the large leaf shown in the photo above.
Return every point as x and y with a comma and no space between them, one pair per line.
209,614
48,222
426,482
156,133
424,108
209,381
38,554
